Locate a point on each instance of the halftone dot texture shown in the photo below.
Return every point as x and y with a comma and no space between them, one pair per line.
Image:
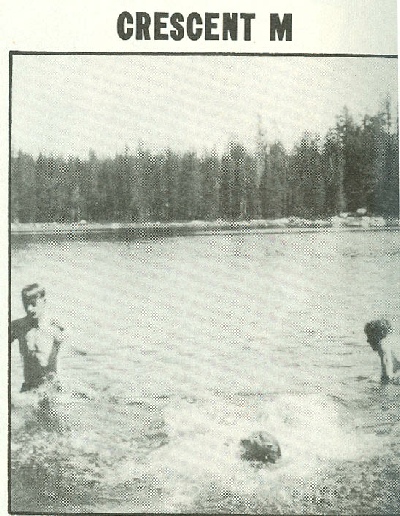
185,346
192,344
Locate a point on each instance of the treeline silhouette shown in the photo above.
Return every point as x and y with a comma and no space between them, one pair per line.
354,166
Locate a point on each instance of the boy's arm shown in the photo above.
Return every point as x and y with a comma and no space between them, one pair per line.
73,349
61,340
386,362
58,339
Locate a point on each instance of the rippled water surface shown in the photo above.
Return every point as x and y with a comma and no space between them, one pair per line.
195,342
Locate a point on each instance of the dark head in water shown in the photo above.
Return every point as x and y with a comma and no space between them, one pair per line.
376,331
261,447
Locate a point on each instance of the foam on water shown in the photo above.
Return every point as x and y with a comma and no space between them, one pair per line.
203,449
183,448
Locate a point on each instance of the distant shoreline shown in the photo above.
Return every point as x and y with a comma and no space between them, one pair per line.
142,229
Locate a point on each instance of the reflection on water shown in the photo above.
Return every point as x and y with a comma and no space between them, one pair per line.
193,343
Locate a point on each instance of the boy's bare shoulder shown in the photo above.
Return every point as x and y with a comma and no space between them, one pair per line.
391,342
16,323
18,326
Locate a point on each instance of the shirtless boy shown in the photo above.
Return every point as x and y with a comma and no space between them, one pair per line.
39,338
381,339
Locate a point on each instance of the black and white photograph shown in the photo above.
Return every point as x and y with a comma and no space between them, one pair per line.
204,273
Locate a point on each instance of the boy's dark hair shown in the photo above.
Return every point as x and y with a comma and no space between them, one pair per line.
33,290
378,328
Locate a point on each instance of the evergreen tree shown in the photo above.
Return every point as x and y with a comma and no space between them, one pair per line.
273,182
306,179
209,187
333,165
23,188
356,177
188,187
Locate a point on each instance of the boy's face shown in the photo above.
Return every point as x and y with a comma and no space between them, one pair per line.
34,306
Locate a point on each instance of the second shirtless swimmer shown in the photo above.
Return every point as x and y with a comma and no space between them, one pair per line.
382,340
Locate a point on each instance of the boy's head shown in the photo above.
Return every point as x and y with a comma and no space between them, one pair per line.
376,331
33,299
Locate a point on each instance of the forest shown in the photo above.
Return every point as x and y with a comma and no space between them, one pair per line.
355,165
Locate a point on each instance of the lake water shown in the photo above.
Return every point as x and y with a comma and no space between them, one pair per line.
195,342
